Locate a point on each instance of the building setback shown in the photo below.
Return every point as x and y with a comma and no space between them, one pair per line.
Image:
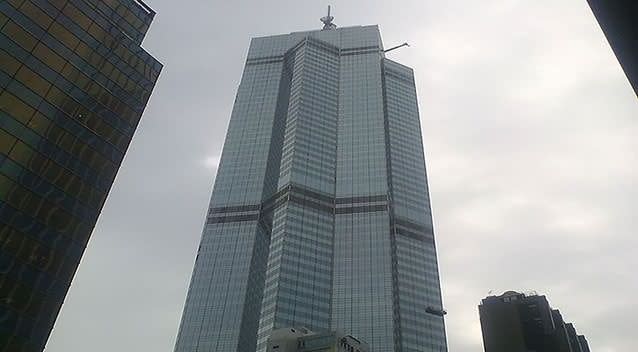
619,21
74,82
515,322
320,215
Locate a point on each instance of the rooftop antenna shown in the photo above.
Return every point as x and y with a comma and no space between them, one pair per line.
327,21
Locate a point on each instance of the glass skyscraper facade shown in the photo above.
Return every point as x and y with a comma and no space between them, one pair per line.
74,82
320,215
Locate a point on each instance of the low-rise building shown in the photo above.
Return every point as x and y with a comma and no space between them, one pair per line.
304,340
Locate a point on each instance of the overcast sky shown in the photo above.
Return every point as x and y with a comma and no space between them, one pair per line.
529,129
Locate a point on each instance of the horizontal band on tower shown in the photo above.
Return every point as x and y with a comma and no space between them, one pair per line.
322,202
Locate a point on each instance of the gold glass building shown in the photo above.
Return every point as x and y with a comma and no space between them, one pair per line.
74,82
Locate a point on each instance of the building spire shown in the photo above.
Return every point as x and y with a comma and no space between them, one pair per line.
327,21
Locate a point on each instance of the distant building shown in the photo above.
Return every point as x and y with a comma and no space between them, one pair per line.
577,342
304,340
619,21
516,322
584,346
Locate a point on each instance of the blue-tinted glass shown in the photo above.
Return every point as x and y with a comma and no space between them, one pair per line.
321,202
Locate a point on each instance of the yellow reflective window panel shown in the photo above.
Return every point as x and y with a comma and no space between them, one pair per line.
36,14
8,64
15,107
33,81
19,35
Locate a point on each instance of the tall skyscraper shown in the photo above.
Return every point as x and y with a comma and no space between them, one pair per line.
74,82
320,215
619,21
516,322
